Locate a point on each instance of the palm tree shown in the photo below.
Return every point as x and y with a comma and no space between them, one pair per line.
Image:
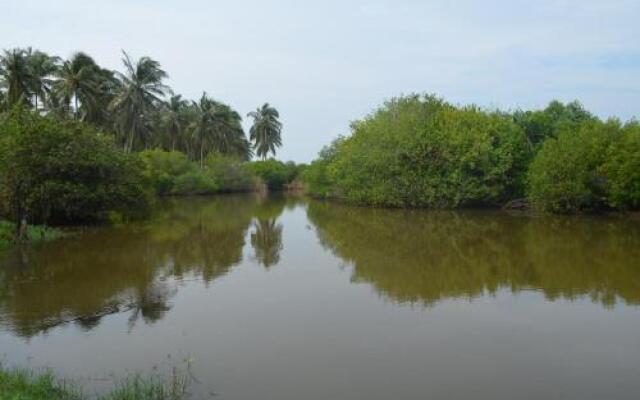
42,67
16,74
3,103
265,131
96,111
174,119
204,124
229,137
76,81
138,97
217,128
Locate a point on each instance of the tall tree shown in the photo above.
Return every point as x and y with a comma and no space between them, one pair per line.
16,75
76,82
138,97
174,121
204,123
42,68
217,128
265,131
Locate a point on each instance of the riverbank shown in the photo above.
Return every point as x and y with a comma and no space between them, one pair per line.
34,233
33,385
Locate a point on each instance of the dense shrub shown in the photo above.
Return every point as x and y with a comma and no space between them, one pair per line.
161,168
172,173
622,169
567,174
65,172
317,177
539,125
423,152
230,173
275,174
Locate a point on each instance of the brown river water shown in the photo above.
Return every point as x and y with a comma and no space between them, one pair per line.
289,298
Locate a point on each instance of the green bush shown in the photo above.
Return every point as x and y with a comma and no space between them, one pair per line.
317,177
566,175
542,124
622,169
162,168
195,182
275,174
420,151
65,172
230,173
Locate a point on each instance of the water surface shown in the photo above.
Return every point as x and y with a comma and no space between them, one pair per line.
287,298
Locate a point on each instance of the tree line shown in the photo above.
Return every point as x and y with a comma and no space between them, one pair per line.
421,151
135,105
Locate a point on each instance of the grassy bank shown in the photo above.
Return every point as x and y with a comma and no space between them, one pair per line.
34,233
24,384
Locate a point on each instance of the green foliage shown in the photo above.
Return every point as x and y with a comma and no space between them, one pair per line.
172,173
27,385
64,172
265,131
423,152
230,173
567,176
163,168
542,124
23,384
275,174
317,178
622,169
194,182
135,105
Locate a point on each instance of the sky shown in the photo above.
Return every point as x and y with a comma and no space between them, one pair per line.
323,64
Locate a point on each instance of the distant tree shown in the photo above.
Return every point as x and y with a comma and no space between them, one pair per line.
216,128
174,121
265,131
16,76
42,68
76,82
137,98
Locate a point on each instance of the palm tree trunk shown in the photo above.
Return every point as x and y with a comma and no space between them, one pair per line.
201,154
75,111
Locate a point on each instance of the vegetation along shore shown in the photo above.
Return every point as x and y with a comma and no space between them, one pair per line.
421,151
28,384
81,144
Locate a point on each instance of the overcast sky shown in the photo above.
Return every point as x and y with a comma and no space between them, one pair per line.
325,63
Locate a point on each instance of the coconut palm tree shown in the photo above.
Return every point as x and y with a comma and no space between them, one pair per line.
138,97
76,82
42,68
217,128
204,123
265,131
174,120
16,76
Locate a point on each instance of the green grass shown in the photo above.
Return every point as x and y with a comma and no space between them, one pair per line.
35,233
24,384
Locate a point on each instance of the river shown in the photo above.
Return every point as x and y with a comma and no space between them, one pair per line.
287,298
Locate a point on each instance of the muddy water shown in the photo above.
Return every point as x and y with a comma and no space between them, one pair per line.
287,298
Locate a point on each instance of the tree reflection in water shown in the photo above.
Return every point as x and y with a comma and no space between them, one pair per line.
419,256
133,268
